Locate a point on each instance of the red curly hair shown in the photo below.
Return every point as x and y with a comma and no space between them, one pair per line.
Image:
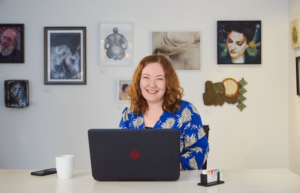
173,94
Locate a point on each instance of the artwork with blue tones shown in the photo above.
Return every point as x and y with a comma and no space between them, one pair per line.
16,93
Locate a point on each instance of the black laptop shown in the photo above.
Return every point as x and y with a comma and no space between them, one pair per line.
135,154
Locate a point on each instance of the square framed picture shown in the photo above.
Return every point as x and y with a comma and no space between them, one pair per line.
116,44
123,86
12,43
297,74
295,35
239,42
16,93
182,48
64,55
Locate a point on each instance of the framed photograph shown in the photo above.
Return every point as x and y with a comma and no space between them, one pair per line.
295,35
297,74
64,55
182,48
239,42
123,86
12,43
116,44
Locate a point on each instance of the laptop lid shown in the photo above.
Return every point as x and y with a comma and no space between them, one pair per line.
135,154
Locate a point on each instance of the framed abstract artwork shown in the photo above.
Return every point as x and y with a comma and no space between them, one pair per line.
123,86
116,44
295,35
12,43
297,74
182,48
239,42
16,93
64,55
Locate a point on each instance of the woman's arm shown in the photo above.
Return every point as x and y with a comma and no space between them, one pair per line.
195,142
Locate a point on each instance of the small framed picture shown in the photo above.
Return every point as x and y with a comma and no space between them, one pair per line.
239,42
297,74
64,55
116,44
182,48
16,93
12,43
123,86
295,32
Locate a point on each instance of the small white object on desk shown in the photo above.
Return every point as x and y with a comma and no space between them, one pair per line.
65,166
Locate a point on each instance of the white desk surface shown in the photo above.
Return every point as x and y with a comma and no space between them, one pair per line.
236,181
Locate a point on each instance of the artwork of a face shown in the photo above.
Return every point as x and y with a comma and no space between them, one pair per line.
239,42
16,93
294,30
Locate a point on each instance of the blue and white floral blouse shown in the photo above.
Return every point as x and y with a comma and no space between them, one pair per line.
193,143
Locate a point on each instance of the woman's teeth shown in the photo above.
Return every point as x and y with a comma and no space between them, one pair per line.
152,91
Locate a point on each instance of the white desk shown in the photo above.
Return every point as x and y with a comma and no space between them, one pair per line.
236,181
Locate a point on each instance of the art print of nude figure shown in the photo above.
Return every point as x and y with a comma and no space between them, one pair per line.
115,44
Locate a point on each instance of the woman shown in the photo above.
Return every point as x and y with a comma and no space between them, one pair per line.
241,43
123,96
156,104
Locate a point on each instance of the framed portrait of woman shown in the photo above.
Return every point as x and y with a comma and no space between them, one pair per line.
123,86
239,42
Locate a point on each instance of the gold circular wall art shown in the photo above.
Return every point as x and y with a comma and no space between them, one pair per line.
231,87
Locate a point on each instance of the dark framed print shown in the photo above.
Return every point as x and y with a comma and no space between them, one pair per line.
12,43
297,74
16,93
239,42
64,55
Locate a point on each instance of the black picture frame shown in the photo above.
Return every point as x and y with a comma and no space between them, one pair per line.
297,74
17,55
252,54
65,55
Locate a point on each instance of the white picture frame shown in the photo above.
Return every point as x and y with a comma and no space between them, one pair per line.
123,85
116,44
178,46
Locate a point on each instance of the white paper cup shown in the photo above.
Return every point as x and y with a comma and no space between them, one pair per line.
64,166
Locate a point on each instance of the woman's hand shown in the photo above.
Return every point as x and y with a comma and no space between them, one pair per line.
181,167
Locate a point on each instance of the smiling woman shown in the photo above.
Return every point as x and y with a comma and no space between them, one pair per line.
156,104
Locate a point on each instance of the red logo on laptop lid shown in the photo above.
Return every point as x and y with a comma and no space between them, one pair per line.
135,154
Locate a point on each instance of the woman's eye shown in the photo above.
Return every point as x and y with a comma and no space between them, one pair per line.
239,43
229,40
146,77
160,79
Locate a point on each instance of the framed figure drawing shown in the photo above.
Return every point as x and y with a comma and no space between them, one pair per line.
123,86
182,48
64,55
116,44
297,74
295,35
239,42
12,43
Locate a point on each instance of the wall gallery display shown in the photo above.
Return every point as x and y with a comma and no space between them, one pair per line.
16,93
116,44
295,35
297,74
229,90
123,86
239,42
12,43
64,55
182,48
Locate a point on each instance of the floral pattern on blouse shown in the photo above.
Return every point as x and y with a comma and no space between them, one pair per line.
194,147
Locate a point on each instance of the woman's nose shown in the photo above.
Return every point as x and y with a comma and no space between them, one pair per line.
152,83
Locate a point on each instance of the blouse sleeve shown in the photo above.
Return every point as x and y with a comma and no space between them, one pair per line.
195,142
124,123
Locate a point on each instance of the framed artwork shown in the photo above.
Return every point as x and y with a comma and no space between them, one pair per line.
16,93
239,42
64,55
295,37
297,74
12,43
116,44
123,86
182,48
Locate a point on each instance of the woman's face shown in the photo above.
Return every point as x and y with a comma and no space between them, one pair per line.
236,43
153,83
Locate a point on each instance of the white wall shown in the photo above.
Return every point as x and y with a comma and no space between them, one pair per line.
294,99
59,117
